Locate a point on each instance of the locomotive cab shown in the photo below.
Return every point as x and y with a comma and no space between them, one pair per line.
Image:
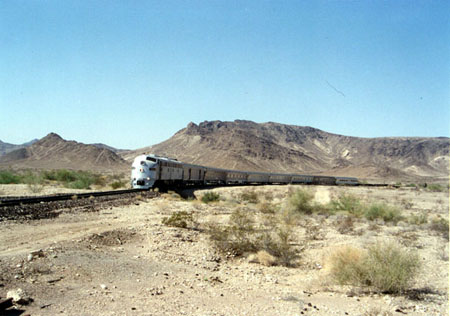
144,172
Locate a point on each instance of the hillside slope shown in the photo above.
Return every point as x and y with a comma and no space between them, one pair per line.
53,152
245,145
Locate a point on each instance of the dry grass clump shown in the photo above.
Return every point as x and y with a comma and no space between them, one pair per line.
385,268
266,208
440,225
383,211
345,225
181,219
300,201
249,196
347,203
210,196
418,219
242,236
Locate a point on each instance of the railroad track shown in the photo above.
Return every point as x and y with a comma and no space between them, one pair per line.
13,201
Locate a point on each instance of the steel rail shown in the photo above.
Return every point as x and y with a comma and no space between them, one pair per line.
61,197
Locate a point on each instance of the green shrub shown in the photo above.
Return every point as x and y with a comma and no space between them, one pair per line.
434,187
118,184
210,197
386,212
9,177
181,219
420,219
249,196
385,268
278,243
440,225
301,201
347,203
236,238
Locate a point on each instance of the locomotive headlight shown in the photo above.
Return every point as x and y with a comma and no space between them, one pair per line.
148,178
141,170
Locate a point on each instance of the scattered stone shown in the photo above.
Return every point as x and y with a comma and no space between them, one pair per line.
103,286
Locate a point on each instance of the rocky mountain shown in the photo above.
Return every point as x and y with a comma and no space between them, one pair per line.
245,145
6,148
53,152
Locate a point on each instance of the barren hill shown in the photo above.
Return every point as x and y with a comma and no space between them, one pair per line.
245,145
6,147
53,152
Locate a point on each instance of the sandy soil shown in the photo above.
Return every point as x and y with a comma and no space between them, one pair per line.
124,261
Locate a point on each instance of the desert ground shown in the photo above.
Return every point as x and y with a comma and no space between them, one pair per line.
128,260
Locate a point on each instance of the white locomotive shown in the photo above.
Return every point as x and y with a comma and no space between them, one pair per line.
148,171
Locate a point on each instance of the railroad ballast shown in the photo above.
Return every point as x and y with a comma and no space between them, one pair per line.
148,171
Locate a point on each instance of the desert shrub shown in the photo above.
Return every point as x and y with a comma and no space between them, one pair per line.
266,208
383,211
301,202
268,196
440,225
419,219
210,197
390,269
346,265
411,185
385,268
237,237
181,219
34,181
278,243
347,203
9,177
345,225
435,187
118,184
249,196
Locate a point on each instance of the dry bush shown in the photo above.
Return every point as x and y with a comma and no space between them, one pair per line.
345,225
268,196
278,243
241,236
384,211
300,201
347,203
181,219
237,237
266,208
419,219
440,226
385,268
249,196
209,197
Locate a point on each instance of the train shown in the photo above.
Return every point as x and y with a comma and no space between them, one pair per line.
148,171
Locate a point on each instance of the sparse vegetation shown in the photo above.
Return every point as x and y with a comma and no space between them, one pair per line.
347,203
440,225
249,196
241,236
300,201
385,268
418,219
435,187
383,211
210,196
181,219
118,184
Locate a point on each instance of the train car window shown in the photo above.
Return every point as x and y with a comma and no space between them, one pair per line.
152,169
151,159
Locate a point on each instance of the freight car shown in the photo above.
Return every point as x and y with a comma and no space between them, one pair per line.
148,171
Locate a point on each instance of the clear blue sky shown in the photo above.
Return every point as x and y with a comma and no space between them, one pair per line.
132,73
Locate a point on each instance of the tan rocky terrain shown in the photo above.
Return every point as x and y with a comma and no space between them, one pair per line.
53,152
125,261
245,145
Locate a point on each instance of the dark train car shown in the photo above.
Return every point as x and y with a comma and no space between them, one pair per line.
324,180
